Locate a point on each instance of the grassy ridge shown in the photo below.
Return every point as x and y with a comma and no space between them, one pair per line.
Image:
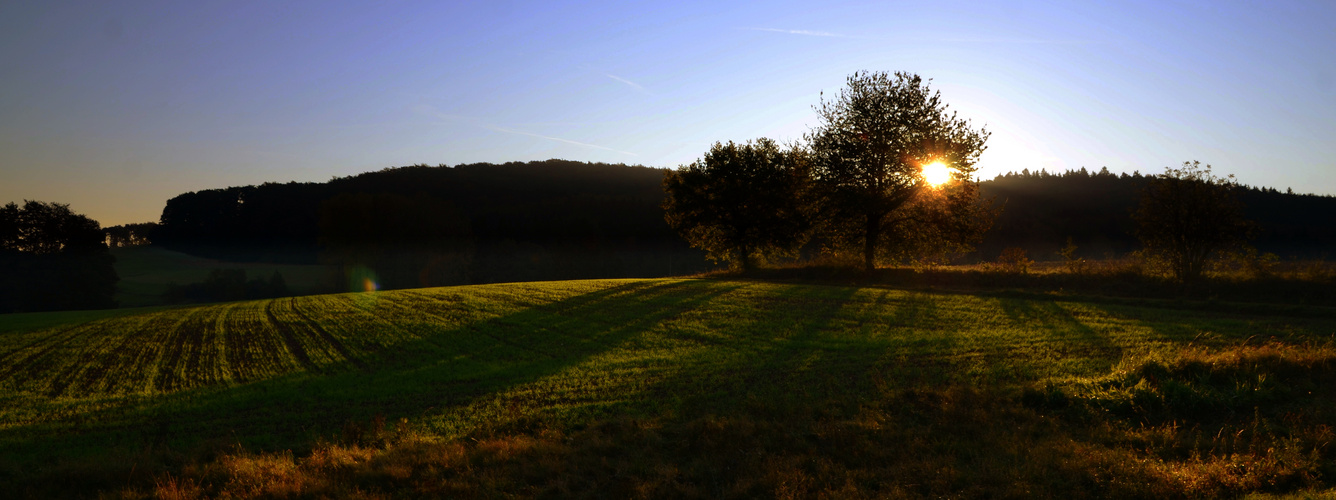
739,387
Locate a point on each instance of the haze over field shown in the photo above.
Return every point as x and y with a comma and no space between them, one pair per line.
116,108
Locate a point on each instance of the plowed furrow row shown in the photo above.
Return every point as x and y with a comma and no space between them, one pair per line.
290,337
318,331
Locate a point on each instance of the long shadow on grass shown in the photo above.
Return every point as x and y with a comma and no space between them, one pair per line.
835,342
1206,327
786,402
1049,323
861,391
858,342
421,375
789,334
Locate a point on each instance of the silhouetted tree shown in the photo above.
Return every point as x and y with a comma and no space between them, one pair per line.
1187,214
741,200
10,227
52,258
870,148
129,235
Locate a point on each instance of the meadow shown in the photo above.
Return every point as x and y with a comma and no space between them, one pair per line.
670,387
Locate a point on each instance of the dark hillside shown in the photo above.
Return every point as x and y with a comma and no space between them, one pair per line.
1301,225
547,201
422,225
558,219
1041,210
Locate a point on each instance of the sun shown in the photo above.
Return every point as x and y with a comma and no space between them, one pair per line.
936,173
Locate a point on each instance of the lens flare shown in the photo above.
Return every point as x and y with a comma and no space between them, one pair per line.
936,173
361,279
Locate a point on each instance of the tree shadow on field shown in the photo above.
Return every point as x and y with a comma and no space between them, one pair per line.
1221,325
1050,320
860,343
789,334
841,340
444,367
863,395
788,409
1057,328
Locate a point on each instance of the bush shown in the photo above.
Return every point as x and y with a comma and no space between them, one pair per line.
1013,260
1075,265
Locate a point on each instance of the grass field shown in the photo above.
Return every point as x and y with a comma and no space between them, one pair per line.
668,387
145,272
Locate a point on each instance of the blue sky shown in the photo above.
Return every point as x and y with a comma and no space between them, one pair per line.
114,107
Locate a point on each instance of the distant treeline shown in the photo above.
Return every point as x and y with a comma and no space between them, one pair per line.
422,225
1042,210
557,219
129,235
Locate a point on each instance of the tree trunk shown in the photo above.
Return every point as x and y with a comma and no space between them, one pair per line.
871,234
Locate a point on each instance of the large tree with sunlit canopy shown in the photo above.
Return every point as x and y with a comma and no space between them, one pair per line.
884,148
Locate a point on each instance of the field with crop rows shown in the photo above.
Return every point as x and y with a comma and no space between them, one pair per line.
1105,387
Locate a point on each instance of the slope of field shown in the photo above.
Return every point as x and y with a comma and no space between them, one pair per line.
987,393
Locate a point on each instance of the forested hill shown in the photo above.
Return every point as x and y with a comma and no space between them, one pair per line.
469,223
1041,210
558,219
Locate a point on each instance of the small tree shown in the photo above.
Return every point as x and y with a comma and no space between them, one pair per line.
1075,265
1014,260
740,200
875,139
1187,214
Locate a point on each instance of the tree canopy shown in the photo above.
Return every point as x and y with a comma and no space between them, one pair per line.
869,151
741,200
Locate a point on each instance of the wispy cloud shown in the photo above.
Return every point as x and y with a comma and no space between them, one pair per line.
630,83
558,139
939,40
801,32
429,110
1015,40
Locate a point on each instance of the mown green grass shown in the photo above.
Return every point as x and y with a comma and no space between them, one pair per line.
667,387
